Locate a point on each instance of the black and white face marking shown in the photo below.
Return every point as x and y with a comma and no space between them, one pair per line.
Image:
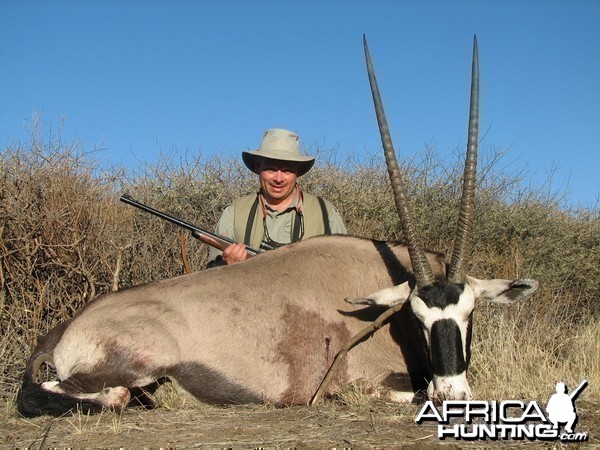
445,310
446,345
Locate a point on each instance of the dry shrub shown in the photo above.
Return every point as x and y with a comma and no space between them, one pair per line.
65,238
61,236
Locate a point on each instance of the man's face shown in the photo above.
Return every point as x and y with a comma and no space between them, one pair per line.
278,180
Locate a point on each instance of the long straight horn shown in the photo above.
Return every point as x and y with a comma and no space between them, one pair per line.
467,204
421,267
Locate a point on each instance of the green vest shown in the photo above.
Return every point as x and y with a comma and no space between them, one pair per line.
248,221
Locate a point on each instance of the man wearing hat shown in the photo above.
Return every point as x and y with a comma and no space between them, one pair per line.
280,213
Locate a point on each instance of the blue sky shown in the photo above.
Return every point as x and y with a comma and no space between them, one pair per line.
136,77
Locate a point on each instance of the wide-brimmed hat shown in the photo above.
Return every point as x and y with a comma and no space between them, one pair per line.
281,145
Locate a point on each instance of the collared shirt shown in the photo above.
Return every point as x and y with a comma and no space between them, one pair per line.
278,224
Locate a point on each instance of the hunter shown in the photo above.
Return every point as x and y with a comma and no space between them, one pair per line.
280,212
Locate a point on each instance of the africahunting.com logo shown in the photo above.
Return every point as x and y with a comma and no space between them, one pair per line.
509,419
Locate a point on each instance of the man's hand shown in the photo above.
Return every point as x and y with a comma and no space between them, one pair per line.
235,253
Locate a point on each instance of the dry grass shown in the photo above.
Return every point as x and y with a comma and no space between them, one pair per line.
523,350
65,238
380,425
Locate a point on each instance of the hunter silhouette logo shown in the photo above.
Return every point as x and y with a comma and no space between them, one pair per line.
507,419
561,406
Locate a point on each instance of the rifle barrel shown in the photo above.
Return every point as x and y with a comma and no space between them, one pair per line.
578,390
215,240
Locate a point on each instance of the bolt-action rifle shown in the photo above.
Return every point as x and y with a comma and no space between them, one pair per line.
212,239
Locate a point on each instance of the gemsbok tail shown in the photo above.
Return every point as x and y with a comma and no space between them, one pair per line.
35,400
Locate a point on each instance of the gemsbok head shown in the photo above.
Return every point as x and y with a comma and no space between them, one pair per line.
443,304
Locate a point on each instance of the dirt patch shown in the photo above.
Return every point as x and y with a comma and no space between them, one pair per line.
377,424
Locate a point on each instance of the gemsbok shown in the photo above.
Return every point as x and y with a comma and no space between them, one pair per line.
268,329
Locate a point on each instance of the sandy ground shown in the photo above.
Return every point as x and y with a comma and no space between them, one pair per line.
374,424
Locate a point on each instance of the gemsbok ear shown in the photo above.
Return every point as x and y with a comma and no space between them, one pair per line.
502,291
385,297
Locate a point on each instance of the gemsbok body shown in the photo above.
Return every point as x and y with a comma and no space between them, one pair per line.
267,330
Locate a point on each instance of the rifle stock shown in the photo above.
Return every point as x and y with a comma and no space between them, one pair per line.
212,239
